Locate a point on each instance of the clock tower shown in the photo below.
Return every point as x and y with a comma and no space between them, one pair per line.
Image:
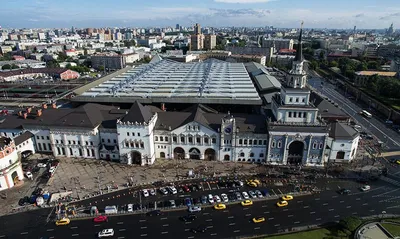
228,135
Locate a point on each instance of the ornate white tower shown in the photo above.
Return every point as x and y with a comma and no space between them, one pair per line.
297,77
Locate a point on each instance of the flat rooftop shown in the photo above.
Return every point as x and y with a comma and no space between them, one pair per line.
166,81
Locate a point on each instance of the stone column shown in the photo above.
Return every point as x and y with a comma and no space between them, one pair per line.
286,151
309,149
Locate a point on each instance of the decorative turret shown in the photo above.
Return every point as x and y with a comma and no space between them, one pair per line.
299,53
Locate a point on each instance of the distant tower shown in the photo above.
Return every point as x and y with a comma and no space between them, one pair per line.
354,32
73,29
197,29
390,31
297,77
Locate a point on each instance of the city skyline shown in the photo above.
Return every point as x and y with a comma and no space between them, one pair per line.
123,13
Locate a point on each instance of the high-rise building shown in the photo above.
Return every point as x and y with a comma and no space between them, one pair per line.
278,43
197,42
210,41
390,31
197,29
177,27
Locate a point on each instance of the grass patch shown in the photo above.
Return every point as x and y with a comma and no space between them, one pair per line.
313,234
393,229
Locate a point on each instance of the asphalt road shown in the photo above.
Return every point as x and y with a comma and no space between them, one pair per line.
375,125
321,208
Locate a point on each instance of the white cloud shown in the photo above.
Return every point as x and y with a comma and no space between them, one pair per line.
244,1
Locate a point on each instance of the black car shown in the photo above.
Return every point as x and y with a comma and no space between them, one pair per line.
154,213
199,187
344,191
23,201
193,188
180,190
201,229
188,218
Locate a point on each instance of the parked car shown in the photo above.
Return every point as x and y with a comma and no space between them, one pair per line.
145,193
224,197
238,196
163,191
152,192
130,208
172,190
186,188
29,175
245,195
188,202
210,198
203,199
172,203
41,165
194,209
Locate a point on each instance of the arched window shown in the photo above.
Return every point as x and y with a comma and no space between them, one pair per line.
314,146
240,141
245,142
273,144
279,144
162,155
251,154
241,154
156,138
250,142
261,155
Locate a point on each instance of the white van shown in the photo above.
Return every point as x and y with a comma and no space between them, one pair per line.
110,210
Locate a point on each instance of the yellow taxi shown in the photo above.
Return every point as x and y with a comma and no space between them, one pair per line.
258,219
62,222
219,206
252,184
256,181
246,203
282,203
398,161
287,198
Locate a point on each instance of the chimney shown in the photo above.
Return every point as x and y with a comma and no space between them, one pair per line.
20,113
25,115
54,106
44,106
28,110
39,112
163,107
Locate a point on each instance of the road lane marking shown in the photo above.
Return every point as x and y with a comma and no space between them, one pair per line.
206,213
246,208
232,224
354,213
122,230
164,232
337,216
163,218
191,237
230,217
317,199
358,199
142,220
306,206
49,230
188,222
271,218
299,201
331,209
213,234
277,225
365,204
143,235
341,202
2,236
248,214
187,229
266,212
318,219
312,212
165,225
120,223
334,196
75,235
290,216
285,209
121,237
348,207
209,220
264,206
297,222
210,226
74,227
372,210
325,204
24,233
236,231
96,225
143,227
257,228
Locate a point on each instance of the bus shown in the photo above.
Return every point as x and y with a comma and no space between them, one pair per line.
366,114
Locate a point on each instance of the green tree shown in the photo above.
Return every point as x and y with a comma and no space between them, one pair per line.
129,43
100,68
13,66
373,65
350,223
362,66
314,64
52,64
6,67
62,57
315,44
333,64
322,55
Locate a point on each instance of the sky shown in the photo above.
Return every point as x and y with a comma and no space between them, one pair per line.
344,14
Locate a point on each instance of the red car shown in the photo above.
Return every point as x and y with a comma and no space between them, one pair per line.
186,188
100,219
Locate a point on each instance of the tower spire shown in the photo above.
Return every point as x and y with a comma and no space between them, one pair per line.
299,53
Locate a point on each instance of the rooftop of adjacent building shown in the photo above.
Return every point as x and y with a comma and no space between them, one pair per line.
379,73
4,141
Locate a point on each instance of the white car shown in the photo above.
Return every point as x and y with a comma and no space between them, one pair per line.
29,175
152,192
210,198
252,194
194,209
217,198
130,207
365,188
52,170
145,193
224,197
173,190
259,194
106,233
163,191
41,165
172,203
245,195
